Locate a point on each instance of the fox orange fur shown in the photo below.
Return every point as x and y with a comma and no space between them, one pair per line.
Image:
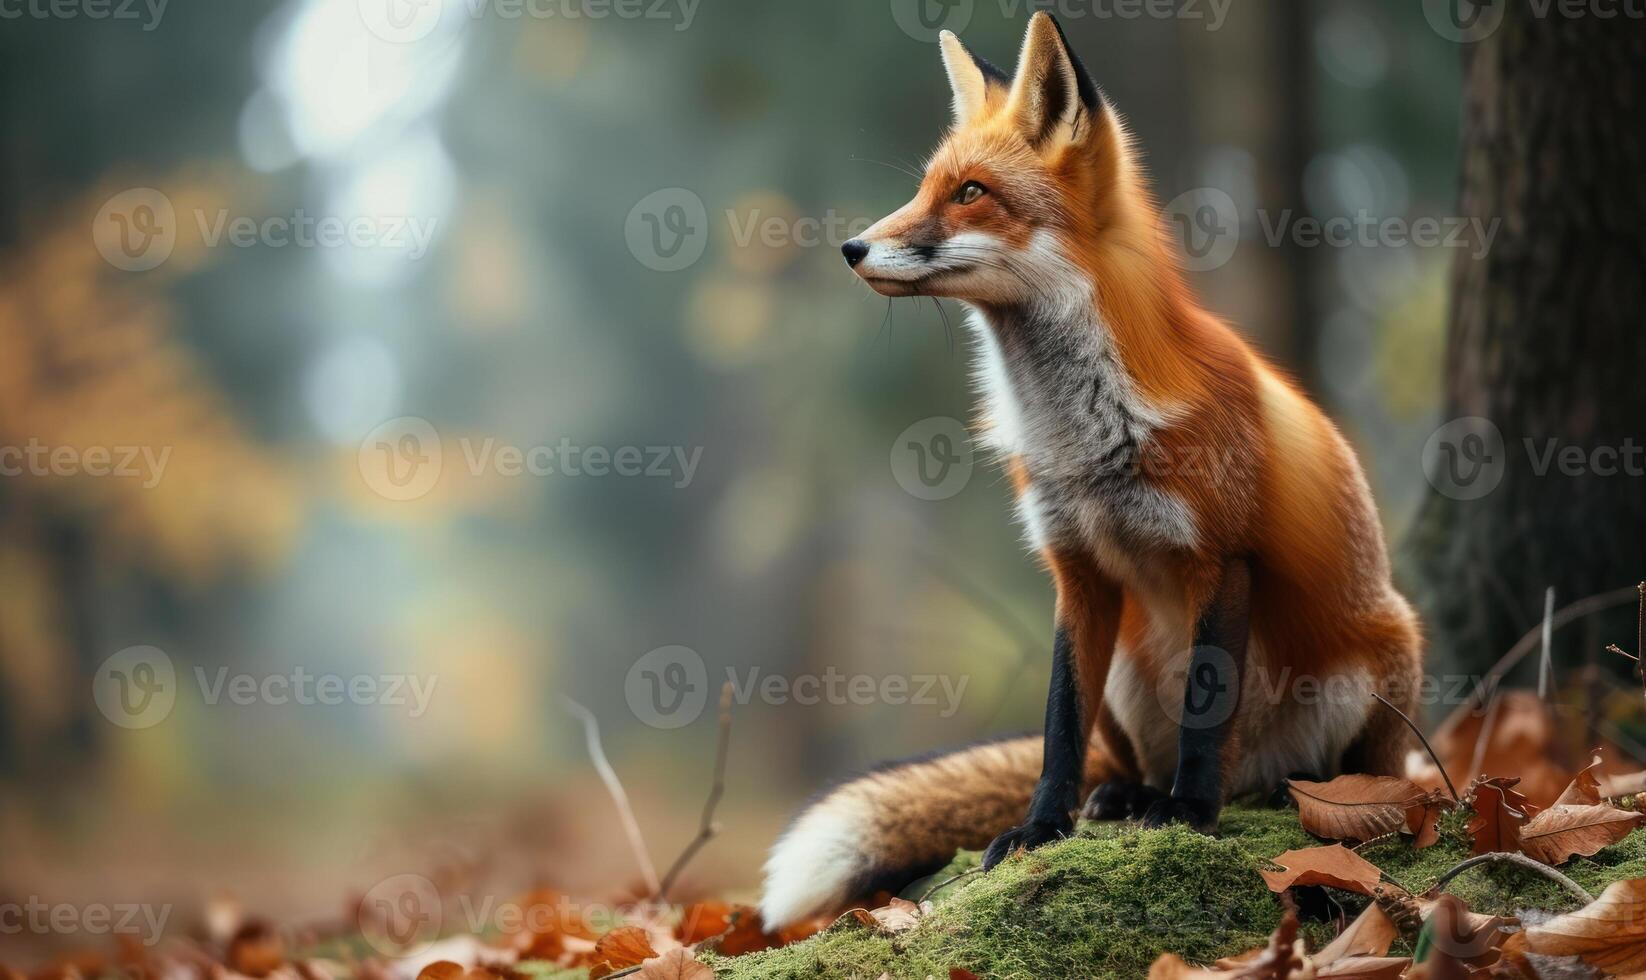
1224,605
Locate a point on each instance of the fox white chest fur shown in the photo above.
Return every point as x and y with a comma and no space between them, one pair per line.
1060,400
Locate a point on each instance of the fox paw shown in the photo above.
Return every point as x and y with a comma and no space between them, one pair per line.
1120,801
1029,836
1198,814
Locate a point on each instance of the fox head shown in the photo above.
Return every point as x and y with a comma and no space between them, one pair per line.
1034,170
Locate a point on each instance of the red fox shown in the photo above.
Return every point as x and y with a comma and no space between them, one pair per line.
1218,628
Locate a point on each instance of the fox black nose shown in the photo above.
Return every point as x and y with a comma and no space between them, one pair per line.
854,250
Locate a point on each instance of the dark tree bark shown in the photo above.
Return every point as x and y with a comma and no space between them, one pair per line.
1546,336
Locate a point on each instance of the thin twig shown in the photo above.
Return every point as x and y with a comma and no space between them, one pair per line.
707,829
1425,740
1546,668
944,884
1527,643
1519,860
1640,630
608,775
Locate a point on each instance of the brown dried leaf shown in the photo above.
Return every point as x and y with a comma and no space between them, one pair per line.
1334,866
1355,807
1609,934
676,964
1470,938
1564,830
1450,934
620,949
704,920
1500,812
1370,935
1280,960
256,950
1423,819
748,934
1522,735
898,915
1585,787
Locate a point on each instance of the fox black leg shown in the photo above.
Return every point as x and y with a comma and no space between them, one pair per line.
1211,702
1058,791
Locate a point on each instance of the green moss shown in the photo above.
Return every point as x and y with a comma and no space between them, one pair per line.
1104,904
1108,902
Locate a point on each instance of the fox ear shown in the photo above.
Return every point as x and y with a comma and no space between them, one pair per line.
971,78
1052,94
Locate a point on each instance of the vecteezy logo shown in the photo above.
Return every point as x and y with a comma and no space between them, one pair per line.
1206,225
932,459
401,21
135,688
667,230
135,230
1202,692
1465,458
924,20
1464,21
401,459
401,915
668,687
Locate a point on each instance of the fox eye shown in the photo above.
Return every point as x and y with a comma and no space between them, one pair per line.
970,191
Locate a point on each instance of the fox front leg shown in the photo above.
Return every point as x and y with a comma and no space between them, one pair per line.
1211,705
1062,764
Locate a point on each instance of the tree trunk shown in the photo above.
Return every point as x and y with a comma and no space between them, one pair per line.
1545,340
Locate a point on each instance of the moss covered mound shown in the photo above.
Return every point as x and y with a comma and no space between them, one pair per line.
1109,901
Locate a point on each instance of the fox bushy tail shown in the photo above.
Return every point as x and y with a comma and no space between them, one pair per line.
898,823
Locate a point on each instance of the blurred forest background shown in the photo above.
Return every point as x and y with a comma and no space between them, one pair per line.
524,143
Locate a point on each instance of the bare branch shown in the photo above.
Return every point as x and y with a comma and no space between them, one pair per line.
1519,860
707,830
614,786
1546,666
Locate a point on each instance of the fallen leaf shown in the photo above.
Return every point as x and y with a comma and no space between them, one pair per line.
1282,959
676,964
897,915
1522,736
1500,812
1585,787
956,973
1355,807
1608,934
1423,819
550,925
1334,866
704,920
620,949
1369,935
747,935
1452,932
256,950
1564,830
